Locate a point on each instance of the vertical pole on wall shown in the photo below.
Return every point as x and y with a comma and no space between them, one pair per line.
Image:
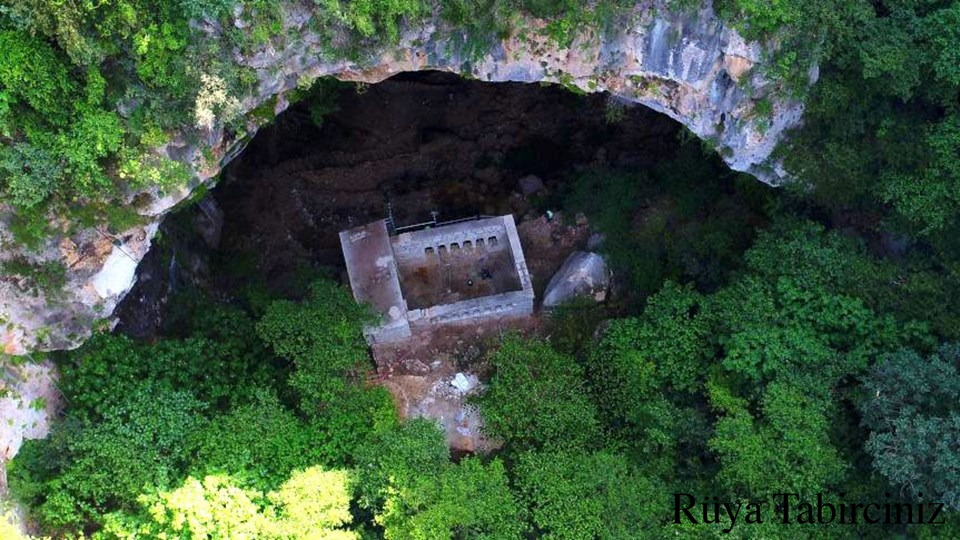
391,225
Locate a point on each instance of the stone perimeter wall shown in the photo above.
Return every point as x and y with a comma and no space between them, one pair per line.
508,304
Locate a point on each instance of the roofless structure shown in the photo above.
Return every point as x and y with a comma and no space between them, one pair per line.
460,272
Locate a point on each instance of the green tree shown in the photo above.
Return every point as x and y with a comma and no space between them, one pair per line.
785,445
413,450
258,443
581,495
536,398
666,348
322,337
86,469
108,366
910,406
406,481
312,503
466,500
646,373
800,309
770,330
880,123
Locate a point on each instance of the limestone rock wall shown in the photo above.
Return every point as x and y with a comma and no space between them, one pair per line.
688,66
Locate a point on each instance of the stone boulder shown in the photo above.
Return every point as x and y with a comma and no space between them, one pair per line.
583,275
530,185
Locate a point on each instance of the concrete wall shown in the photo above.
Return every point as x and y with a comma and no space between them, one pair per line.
509,304
412,246
374,279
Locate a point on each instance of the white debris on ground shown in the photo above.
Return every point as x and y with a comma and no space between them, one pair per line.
444,397
447,402
464,383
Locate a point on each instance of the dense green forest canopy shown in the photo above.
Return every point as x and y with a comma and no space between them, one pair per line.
262,420
754,348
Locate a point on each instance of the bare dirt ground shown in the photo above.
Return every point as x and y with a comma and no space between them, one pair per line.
421,374
461,276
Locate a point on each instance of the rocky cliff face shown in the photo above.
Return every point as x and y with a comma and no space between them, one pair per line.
688,66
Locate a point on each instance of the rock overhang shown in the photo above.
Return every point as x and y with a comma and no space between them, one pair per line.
689,66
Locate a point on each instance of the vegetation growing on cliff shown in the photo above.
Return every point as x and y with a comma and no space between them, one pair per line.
88,91
881,127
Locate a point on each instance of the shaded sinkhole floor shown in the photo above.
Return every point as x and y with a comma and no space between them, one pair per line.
434,145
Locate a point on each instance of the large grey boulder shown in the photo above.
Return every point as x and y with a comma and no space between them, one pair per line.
583,275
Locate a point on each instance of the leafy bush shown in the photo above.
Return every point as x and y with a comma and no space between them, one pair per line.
85,469
536,399
32,69
31,174
910,405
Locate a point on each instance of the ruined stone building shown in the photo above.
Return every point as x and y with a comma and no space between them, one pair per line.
454,273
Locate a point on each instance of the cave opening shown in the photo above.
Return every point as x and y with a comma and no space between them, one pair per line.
434,146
